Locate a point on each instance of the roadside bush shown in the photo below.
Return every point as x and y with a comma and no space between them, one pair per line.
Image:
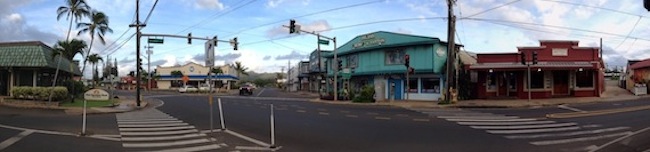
40,93
366,94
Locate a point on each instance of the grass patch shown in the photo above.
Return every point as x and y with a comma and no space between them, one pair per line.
80,103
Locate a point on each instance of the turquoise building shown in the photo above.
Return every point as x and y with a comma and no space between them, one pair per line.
377,59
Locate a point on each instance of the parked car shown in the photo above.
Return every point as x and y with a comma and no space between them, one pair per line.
188,88
246,90
206,88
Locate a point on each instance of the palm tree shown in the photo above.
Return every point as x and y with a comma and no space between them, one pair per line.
240,69
74,10
67,50
94,59
98,25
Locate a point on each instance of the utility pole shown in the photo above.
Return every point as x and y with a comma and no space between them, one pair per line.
288,75
149,52
320,74
451,51
137,26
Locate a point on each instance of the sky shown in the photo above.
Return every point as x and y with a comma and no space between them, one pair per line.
483,26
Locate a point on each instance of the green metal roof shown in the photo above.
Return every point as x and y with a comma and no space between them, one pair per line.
33,55
382,39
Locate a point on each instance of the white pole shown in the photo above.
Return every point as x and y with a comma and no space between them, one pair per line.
223,124
83,125
272,129
210,101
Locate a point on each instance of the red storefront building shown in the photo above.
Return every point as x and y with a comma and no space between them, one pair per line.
563,69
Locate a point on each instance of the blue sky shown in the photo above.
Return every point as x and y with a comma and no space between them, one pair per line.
267,47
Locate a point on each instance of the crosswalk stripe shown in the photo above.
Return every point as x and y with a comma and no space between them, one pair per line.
478,117
494,120
526,126
570,140
567,134
173,137
429,109
152,125
506,123
167,144
158,133
142,120
531,130
191,149
458,114
150,122
144,117
157,129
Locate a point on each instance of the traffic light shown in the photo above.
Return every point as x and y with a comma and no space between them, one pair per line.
340,64
523,58
292,26
646,4
234,43
535,57
189,38
411,70
407,60
214,41
139,63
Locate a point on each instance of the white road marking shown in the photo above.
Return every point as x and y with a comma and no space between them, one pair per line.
323,113
478,117
157,138
402,115
258,94
150,122
505,123
143,120
197,148
423,120
153,125
167,144
570,108
458,114
352,116
619,139
526,126
383,118
15,139
531,130
256,148
157,129
494,120
158,133
372,113
570,140
263,144
585,132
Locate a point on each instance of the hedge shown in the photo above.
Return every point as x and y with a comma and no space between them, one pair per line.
40,93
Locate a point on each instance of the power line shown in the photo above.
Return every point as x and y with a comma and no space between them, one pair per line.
310,14
150,12
383,21
217,15
487,10
591,6
123,43
628,34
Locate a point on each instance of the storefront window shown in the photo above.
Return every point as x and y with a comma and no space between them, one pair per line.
413,86
512,82
430,85
537,80
395,56
584,79
352,61
25,78
491,81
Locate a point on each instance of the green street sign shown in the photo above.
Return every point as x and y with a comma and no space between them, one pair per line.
325,42
155,40
346,75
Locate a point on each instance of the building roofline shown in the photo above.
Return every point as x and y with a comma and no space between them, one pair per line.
565,41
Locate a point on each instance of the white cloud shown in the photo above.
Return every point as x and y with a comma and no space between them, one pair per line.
171,61
209,4
276,3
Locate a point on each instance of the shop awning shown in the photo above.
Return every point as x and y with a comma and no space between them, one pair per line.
511,65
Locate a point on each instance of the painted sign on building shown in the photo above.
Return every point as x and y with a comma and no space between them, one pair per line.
369,41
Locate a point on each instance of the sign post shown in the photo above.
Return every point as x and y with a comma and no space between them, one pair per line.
209,62
92,95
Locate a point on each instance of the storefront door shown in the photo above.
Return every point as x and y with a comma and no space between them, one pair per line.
560,83
4,83
502,84
396,88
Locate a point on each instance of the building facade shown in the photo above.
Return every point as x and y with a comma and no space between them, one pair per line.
377,59
316,71
31,64
563,69
195,74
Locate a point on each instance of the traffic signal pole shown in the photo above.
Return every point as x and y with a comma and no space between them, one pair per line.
137,26
293,29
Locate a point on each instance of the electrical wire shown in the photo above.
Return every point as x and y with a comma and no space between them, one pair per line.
591,6
629,33
382,21
487,10
211,18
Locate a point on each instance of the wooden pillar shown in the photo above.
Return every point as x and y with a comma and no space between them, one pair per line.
11,82
34,78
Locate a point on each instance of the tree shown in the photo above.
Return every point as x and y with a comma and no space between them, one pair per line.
73,10
94,59
98,25
177,74
216,70
65,49
240,69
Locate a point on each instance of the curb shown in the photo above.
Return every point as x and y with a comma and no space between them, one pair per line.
597,112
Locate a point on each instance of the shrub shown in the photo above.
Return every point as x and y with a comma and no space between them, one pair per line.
40,93
366,95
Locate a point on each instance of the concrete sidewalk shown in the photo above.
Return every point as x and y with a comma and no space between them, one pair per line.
125,105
